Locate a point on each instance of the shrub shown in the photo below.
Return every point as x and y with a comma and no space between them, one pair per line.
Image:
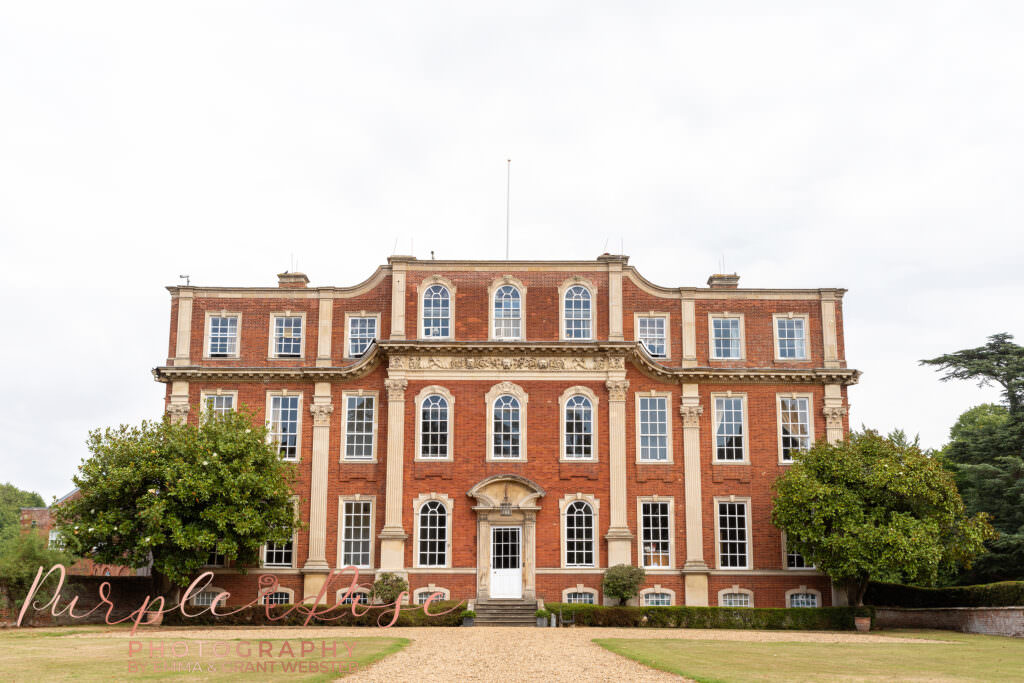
818,618
1002,594
623,581
542,614
341,615
388,587
467,614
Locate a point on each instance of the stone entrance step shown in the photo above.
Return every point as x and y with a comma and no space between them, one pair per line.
506,612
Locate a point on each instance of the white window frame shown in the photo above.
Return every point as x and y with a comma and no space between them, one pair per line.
671,531
298,427
449,507
359,393
281,589
506,281
718,533
214,590
714,427
428,590
520,394
208,337
806,358
421,290
669,426
563,400
53,539
725,315
358,315
272,346
206,394
432,390
565,287
359,590
654,590
580,588
804,589
735,589
785,558
563,509
356,498
295,542
668,335
810,421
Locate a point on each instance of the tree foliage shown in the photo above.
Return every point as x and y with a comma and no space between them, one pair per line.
623,582
388,587
1000,361
12,498
876,507
21,556
175,493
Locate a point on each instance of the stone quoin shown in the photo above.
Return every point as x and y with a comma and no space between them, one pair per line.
507,430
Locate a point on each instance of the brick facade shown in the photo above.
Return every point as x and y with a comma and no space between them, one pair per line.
611,367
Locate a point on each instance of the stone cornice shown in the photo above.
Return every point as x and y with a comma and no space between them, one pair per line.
186,373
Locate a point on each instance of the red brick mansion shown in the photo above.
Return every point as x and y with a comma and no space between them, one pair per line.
510,429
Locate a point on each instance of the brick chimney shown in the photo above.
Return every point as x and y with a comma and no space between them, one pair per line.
723,281
292,280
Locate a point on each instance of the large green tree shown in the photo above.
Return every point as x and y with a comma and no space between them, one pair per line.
986,451
12,498
876,507
175,493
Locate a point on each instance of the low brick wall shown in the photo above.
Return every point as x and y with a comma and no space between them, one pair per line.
995,621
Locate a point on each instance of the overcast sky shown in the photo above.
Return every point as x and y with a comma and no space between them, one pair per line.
877,149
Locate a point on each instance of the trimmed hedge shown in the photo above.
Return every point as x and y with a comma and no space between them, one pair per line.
810,618
1003,594
411,615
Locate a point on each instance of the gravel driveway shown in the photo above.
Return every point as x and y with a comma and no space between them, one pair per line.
565,654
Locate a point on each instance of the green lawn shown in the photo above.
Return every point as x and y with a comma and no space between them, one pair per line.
102,654
959,657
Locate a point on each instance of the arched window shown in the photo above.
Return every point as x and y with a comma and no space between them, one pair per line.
278,598
434,427
508,316
436,312
345,597
506,428
433,541
579,428
579,535
577,313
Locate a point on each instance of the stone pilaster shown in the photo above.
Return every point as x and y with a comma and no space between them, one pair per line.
834,413
325,331
178,407
689,326
183,337
619,537
321,410
828,328
398,282
529,556
615,301
392,545
695,569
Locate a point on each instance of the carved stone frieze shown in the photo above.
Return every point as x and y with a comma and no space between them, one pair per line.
508,363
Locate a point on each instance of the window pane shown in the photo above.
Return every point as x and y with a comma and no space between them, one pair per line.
732,535
577,597
652,334
795,425
655,542
579,535
507,313
361,333
803,600
653,428
506,428
735,600
288,336
436,312
223,336
433,541
355,544
725,337
278,598
284,425
791,338
359,427
277,554
729,428
577,313
657,599
220,405
434,427
579,428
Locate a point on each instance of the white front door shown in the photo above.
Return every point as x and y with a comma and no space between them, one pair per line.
506,567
